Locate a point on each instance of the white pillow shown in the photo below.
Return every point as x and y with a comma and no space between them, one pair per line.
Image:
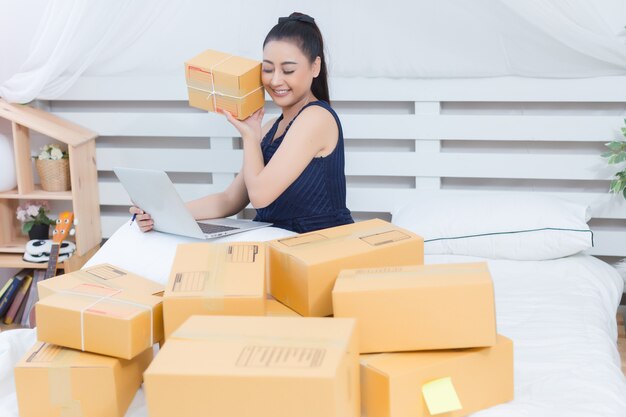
498,226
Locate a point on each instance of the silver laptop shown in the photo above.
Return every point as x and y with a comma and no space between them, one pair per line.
153,191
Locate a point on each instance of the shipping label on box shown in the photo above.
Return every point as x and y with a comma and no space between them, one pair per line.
303,268
419,307
219,81
453,383
215,279
54,381
256,366
103,309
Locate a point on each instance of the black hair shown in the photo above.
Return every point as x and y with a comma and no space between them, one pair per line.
302,30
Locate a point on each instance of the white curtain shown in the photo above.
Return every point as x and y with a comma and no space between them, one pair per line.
364,38
71,36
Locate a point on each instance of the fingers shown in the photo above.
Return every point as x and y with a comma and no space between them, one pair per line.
258,114
144,220
229,117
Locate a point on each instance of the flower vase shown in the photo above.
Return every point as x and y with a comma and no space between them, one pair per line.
39,232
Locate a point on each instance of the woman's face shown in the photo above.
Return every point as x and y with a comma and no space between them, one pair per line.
287,73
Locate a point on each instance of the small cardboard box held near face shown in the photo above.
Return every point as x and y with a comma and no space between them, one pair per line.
215,279
420,307
102,309
220,81
303,268
256,366
54,381
451,383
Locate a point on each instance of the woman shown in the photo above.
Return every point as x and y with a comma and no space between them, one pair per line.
293,166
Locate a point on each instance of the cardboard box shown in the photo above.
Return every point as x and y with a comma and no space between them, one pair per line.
418,307
53,381
277,309
303,268
102,309
256,366
215,279
219,81
451,383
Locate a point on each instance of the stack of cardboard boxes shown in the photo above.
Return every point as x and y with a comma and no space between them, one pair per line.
425,335
96,329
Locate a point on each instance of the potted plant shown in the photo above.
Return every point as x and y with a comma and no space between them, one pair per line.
616,155
54,168
35,220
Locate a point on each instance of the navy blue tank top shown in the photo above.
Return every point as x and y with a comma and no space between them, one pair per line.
317,198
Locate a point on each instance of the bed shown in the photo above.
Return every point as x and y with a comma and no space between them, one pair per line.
558,307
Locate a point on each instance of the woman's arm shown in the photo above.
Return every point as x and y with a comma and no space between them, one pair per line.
314,133
227,203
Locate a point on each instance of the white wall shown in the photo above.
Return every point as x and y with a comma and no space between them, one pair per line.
402,137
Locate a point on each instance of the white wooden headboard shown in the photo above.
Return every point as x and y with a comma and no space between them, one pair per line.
403,137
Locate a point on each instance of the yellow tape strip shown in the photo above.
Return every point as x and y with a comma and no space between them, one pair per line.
214,295
60,384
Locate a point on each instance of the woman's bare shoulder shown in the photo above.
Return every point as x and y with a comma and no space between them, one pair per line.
317,116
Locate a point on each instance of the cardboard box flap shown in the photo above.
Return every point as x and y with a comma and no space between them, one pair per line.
242,345
440,275
353,239
46,355
104,275
217,270
396,364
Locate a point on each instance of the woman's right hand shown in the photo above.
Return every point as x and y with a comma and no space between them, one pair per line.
143,219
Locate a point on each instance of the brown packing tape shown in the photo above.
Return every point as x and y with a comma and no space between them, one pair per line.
260,340
207,285
374,237
402,272
60,382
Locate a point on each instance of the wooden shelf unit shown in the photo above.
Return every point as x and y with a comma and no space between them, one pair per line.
37,194
83,178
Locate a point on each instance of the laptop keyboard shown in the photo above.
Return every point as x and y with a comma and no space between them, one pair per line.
215,228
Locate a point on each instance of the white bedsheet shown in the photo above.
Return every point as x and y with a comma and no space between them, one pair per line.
559,313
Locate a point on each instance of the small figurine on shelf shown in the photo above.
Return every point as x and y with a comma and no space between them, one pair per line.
54,168
34,218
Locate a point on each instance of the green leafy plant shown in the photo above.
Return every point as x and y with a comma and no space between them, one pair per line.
616,155
32,213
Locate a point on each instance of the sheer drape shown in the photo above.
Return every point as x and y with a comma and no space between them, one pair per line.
365,38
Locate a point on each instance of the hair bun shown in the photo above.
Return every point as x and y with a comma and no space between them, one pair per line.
297,18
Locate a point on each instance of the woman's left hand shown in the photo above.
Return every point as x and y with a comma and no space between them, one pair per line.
249,128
